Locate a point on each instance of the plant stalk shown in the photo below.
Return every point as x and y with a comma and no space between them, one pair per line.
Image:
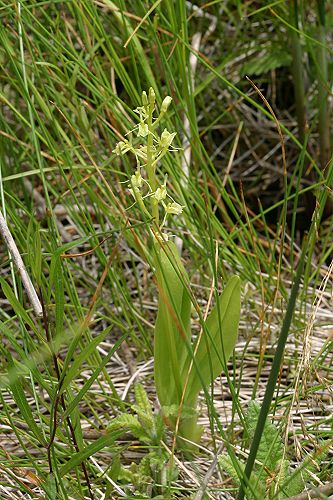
150,166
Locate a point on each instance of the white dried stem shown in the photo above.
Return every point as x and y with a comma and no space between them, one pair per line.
186,159
31,292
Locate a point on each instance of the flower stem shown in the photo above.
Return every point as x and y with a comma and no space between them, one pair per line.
150,168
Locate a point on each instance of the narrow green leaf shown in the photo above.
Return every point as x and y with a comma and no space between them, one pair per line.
141,57
76,420
57,255
51,487
37,269
72,372
22,403
73,403
90,450
16,305
34,250
59,300
273,376
28,363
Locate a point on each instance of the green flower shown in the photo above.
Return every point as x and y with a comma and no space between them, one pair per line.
143,129
121,148
160,193
166,139
137,180
174,208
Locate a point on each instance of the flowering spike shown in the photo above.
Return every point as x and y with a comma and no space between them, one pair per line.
148,153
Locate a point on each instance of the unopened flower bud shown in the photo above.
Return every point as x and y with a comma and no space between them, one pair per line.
144,98
152,96
165,104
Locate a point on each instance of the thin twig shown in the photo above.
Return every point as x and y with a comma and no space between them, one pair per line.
202,490
31,292
327,489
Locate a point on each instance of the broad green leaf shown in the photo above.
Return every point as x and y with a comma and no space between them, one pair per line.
172,328
218,339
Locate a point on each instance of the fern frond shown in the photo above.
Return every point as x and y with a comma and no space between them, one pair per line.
142,400
267,62
129,423
298,478
228,467
258,486
270,452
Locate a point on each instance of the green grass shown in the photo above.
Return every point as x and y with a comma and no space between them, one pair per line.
72,72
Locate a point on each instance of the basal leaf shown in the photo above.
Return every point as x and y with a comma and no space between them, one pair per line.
218,339
172,330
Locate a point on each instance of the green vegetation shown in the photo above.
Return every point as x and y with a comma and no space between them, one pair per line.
130,378
272,477
181,370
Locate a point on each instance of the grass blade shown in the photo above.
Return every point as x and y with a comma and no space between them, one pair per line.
271,384
90,450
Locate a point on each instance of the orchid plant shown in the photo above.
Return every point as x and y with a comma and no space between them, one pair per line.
182,366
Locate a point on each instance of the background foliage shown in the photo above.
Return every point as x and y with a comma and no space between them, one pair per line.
251,88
